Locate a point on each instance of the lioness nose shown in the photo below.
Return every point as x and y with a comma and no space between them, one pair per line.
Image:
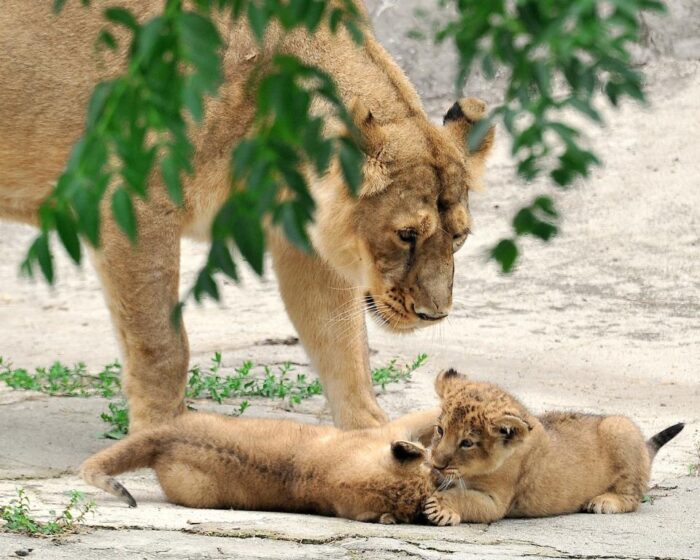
428,314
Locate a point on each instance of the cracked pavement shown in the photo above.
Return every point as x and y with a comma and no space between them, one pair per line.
603,319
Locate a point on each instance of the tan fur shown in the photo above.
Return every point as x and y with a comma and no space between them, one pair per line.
417,177
212,461
526,466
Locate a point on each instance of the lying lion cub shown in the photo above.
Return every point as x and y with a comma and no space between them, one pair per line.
213,461
501,461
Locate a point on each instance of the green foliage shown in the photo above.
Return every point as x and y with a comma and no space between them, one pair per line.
61,380
247,381
388,374
117,417
137,124
558,54
16,517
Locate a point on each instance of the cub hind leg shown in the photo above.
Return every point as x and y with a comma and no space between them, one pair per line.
623,443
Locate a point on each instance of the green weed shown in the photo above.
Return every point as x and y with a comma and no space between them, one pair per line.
16,517
117,417
64,381
247,381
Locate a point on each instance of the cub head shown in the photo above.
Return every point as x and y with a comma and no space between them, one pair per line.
479,427
396,241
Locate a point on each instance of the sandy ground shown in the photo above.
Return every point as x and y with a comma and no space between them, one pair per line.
604,319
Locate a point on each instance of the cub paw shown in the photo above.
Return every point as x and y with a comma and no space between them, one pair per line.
605,503
387,519
439,514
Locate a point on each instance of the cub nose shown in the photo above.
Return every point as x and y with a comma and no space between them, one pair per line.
427,314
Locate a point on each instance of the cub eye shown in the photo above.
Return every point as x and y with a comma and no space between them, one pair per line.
408,235
466,443
439,431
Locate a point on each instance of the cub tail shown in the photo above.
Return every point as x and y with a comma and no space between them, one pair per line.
134,452
656,442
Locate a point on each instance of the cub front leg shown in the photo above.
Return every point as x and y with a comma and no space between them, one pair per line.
329,317
459,505
141,287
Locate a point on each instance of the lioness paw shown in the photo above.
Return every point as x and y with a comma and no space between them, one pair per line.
439,514
387,519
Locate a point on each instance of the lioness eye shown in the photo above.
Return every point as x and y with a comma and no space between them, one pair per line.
438,431
459,239
407,235
466,443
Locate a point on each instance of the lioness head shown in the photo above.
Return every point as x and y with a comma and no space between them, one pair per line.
479,427
396,241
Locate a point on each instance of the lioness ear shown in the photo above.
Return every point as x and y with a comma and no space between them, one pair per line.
407,451
371,137
371,141
446,378
511,429
460,120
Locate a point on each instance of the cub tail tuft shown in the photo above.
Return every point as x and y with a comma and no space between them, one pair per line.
656,442
134,452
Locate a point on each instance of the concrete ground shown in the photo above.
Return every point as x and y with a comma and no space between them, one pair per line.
603,319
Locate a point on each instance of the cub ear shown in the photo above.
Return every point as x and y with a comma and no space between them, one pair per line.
460,120
371,140
446,378
511,429
407,451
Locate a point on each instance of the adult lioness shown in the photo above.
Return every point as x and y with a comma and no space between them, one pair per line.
394,244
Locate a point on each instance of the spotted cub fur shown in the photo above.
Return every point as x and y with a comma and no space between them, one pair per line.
501,461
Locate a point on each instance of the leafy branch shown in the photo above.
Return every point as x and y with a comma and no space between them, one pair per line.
558,55
141,119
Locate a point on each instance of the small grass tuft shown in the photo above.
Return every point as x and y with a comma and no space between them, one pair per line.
16,517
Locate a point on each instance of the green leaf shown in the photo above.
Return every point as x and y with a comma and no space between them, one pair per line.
123,211
121,16
257,20
148,37
524,221
220,257
477,133
351,160
67,232
248,233
176,315
105,38
192,98
314,13
205,284
58,5
294,223
39,252
97,102
505,253
171,176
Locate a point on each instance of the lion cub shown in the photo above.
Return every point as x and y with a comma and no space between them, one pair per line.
502,461
213,461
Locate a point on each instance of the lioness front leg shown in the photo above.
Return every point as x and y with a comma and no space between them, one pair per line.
329,317
141,287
